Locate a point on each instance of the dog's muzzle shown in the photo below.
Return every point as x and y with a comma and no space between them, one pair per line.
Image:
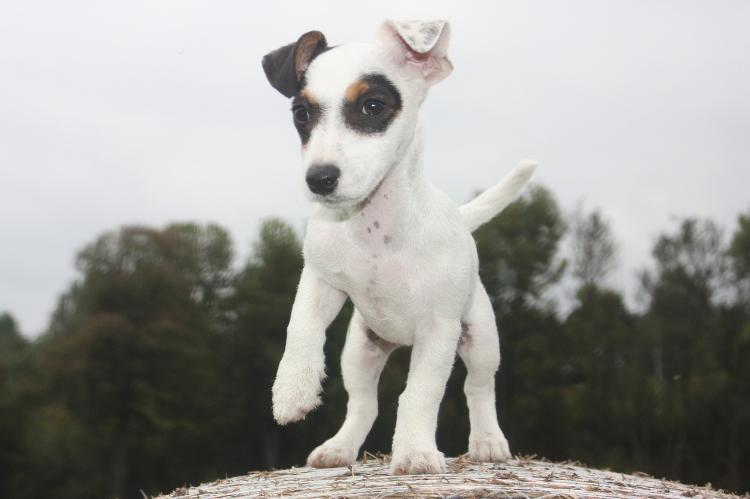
322,179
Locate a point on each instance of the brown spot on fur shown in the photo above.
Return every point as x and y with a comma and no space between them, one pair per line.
387,239
369,230
309,96
465,335
377,224
356,89
365,203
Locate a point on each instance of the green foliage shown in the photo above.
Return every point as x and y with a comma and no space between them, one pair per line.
593,248
257,310
740,247
157,365
686,333
13,350
130,346
739,256
11,340
517,250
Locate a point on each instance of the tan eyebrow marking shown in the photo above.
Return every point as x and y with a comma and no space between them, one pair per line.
356,89
309,96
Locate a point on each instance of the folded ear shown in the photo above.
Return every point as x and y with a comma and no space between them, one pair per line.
422,44
284,67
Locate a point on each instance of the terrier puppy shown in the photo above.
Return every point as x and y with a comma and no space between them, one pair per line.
384,236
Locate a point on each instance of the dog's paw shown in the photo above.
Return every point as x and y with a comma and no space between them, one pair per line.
330,456
295,393
490,449
417,462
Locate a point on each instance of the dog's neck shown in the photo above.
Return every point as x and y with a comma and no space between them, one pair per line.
389,209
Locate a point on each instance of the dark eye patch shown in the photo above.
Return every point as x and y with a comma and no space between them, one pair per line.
305,101
371,87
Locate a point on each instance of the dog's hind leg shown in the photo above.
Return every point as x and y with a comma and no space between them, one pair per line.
362,361
479,349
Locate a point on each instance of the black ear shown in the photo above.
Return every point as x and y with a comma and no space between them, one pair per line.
285,67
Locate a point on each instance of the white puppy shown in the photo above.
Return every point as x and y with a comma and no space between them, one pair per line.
383,235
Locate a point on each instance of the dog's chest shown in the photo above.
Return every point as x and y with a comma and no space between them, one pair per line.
396,261
368,259
365,257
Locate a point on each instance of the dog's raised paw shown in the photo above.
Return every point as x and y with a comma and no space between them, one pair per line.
295,393
417,462
330,456
493,449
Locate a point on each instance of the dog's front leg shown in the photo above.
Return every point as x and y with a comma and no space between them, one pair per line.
414,449
297,388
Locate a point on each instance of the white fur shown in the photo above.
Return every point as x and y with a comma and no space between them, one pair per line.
402,251
484,207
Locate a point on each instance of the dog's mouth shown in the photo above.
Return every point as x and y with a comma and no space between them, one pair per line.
334,200
347,202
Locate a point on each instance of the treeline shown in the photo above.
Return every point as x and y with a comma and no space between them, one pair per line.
157,364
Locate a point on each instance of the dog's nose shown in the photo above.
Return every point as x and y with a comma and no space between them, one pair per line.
322,179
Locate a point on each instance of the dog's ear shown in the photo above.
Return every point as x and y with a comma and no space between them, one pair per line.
285,66
422,44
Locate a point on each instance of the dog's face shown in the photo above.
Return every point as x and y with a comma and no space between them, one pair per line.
355,106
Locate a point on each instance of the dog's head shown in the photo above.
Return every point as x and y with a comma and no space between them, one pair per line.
355,106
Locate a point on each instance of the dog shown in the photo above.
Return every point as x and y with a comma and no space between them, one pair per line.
384,236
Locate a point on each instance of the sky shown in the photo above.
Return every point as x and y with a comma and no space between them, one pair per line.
148,112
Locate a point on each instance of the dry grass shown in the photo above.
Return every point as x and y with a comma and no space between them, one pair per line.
522,477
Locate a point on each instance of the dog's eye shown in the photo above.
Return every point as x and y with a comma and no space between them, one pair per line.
301,114
371,107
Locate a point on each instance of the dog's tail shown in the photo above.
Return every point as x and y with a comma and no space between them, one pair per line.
491,202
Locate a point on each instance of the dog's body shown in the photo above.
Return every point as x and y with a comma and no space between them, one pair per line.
388,239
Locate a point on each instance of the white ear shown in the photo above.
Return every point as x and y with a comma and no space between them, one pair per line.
421,44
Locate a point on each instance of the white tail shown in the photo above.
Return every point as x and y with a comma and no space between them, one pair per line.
491,202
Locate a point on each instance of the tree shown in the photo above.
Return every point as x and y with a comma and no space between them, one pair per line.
257,309
739,255
735,320
11,340
157,366
518,250
129,365
594,250
13,349
682,329
599,375
601,378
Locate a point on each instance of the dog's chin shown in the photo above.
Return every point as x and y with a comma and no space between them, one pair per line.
342,202
337,202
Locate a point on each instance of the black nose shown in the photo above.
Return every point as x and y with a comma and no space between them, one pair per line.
322,179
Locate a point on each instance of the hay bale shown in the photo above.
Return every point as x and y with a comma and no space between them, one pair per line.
520,477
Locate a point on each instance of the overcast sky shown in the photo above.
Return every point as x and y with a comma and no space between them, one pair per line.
154,111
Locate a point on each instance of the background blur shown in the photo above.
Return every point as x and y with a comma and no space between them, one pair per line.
144,290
